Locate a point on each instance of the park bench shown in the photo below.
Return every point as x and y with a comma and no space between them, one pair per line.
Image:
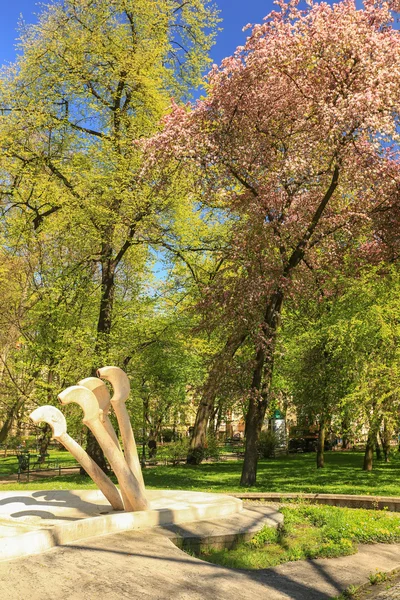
28,464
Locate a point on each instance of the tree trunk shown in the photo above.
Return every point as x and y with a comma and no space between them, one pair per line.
11,415
378,449
102,341
95,452
321,443
266,356
199,435
375,424
218,420
205,408
254,422
46,431
106,301
260,390
345,429
152,444
6,428
369,452
385,436
44,441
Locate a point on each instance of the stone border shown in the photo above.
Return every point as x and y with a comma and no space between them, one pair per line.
35,542
227,533
344,500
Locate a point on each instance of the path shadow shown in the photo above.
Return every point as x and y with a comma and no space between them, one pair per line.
61,498
199,576
43,514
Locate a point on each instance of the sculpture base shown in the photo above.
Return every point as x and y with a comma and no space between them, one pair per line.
32,522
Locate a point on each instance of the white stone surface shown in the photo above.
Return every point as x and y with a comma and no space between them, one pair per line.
31,522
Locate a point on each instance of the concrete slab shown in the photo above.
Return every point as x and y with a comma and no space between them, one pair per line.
221,533
139,564
32,522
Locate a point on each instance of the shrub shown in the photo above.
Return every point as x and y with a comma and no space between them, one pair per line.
267,444
212,449
177,451
168,435
14,442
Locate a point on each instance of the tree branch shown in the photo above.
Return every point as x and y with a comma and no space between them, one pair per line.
298,252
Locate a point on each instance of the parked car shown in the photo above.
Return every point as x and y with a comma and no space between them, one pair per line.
302,445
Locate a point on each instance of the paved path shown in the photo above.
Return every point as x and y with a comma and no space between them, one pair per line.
145,566
391,594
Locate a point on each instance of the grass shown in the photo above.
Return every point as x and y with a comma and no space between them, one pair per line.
342,474
349,594
9,464
310,531
378,577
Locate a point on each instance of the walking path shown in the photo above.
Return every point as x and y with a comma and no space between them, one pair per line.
144,566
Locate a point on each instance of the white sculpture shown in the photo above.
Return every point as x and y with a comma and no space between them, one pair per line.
102,394
54,417
93,397
120,382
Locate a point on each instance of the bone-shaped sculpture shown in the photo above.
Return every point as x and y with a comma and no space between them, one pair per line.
56,420
131,490
100,390
120,383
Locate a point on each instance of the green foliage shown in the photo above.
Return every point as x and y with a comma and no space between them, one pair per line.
267,535
377,577
340,362
168,435
177,451
212,449
81,228
349,593
14,442
267,444
338,524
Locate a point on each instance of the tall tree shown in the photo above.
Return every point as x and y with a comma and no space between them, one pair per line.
339,360
91,78
295,144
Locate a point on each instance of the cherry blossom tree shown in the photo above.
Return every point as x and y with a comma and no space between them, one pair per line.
297,144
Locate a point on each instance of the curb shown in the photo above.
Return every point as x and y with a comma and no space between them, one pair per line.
227,534
345,500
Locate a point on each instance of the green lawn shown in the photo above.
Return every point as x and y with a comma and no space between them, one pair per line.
310,531
9,464
294,473
342,474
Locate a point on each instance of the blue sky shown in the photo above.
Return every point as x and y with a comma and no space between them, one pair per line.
235,14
